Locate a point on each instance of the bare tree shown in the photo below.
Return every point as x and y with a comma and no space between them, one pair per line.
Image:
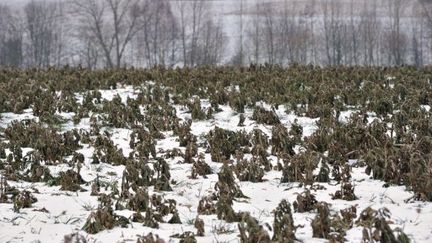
299,40
310,13
334,33
369,29
198,7
11,38
354,38
196,26
183,30
191,19
241,33
115,33
112,23
254,37
89,52
270,34
395,39
280,33
45,37
211,44
284,33
295,34
417,48
426,15
418,38
158,35
238,57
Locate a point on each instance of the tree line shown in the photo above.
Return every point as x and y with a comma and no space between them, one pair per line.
147,33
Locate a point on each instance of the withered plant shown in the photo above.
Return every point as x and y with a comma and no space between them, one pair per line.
263,116
224,143
199,225
71,180
150,238
281,141
103,219
305,202
226,185
283,224
251,231
206,206
376,227
200,167
23,200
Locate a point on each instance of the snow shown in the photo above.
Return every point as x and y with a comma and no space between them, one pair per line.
68,211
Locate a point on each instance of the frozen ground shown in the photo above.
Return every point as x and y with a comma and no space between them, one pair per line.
65,212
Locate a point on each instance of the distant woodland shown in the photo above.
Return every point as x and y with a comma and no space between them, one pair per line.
146,33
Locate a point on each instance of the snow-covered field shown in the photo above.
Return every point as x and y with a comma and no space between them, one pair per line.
58,213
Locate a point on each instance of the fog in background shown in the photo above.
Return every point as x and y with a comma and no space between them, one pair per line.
147,33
